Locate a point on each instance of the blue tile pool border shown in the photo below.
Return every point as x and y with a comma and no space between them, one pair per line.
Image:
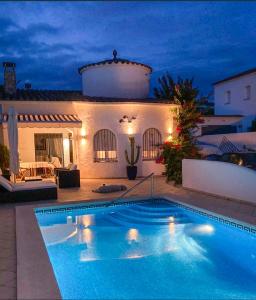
219,218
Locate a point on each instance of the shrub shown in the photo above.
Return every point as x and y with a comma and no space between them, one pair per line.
187,117
4,157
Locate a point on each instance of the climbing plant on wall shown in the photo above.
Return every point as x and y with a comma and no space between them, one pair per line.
183,145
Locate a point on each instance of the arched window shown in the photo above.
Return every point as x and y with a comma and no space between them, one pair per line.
104,146
151,140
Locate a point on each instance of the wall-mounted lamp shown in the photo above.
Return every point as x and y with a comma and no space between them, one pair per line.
83,133
127,119
130,130
169,137
83,136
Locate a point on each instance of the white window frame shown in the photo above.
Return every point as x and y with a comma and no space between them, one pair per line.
152,139
104,146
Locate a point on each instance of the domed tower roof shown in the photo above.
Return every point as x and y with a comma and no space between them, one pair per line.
114,60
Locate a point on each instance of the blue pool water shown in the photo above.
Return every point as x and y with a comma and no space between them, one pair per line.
148,250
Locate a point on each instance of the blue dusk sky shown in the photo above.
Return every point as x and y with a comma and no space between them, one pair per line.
204,40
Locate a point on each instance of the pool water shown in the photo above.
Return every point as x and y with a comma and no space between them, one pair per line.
148,250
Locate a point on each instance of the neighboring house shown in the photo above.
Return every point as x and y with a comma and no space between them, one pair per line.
222,124
236,95
90,127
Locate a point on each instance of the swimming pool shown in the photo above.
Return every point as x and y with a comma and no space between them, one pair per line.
153,249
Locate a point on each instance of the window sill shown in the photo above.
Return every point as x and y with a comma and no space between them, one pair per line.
105,161
149,159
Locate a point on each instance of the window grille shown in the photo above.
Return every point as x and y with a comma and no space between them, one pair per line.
104,146
151,140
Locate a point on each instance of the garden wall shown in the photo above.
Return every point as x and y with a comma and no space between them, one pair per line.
219,178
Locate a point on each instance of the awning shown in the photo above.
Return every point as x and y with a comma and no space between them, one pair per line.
43,120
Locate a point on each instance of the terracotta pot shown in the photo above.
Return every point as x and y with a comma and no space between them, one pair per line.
131,172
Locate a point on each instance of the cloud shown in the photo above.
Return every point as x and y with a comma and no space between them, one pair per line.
204,40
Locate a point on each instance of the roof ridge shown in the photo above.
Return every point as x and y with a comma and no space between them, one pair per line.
247,72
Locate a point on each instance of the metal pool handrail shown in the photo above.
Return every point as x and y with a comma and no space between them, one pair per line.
133,187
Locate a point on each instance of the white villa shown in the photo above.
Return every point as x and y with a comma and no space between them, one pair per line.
236,95
234,105
90,127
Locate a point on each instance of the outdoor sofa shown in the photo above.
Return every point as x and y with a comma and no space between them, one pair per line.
27,191
67,177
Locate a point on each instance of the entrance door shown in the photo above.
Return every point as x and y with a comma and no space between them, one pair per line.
49,145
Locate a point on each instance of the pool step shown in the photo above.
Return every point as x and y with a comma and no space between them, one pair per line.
127,219
150,209
153,213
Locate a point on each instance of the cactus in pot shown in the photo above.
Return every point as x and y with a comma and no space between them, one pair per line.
132,161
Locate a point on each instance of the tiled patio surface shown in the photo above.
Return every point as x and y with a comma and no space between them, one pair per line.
230,208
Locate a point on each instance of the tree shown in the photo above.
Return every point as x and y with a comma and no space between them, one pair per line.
187,116
166,89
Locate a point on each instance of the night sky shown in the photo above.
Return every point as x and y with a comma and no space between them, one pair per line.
204,40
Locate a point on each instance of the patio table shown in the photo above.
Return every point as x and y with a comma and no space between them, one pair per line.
32,166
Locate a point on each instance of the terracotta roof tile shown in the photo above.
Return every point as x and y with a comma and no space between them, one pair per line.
63,95
236,76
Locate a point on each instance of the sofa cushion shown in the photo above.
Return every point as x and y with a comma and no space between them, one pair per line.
73,167
6,184
33,185
110,188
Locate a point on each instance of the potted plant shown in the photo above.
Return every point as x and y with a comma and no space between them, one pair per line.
4,161
131,168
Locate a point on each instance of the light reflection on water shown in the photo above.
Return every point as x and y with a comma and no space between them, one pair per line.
131,243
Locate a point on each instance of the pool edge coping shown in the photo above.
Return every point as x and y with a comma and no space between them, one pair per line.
35,276
28,236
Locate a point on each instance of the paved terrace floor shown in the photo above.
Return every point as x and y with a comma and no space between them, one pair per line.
235,209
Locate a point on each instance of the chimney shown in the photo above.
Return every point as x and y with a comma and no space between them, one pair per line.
9,78
27,86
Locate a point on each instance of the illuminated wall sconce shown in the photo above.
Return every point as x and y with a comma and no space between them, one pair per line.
169,138
83,136
130,130
83,133
127,119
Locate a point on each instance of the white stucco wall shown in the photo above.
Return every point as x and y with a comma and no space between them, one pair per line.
116,80
238,105
96,116
219,178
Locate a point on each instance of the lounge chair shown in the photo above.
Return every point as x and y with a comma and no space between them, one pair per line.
26,191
